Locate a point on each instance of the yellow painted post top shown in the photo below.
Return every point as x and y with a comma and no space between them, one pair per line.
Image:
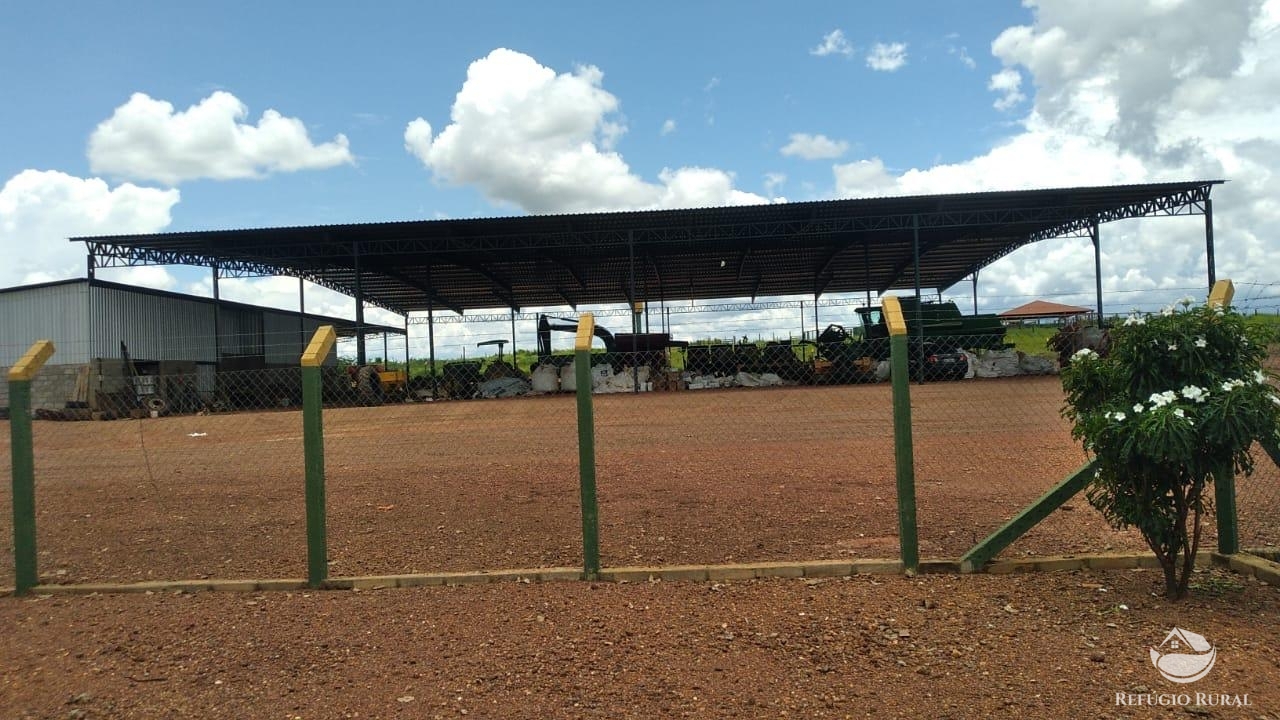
30,363
321,343
1221,294
586,330
892,309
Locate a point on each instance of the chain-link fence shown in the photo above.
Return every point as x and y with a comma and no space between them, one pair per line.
741,459
170,478
1258,496
706,453
989,440
1258,505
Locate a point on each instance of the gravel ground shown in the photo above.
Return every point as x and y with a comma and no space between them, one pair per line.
1026,646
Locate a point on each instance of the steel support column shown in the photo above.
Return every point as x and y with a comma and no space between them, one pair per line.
360,354
975,292
217,322
302,311
431,348
1097,265
1208,242
866,268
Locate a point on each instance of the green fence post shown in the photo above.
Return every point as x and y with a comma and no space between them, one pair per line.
587,450
903,452
313,451
22,457
1224,508
1224,481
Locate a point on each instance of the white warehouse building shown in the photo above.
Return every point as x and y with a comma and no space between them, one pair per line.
105,333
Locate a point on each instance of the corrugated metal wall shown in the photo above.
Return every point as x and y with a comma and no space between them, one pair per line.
154,327
283,337
52,312
90,321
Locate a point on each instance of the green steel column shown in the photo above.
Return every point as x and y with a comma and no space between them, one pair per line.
1224,488
587,467
904,454
313,448
24,487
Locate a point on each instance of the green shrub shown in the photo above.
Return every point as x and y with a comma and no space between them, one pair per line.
1181,396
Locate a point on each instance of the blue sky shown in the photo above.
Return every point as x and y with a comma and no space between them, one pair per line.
628,102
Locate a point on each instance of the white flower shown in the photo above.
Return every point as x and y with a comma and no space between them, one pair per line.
1177,412
1186,301
1135,320
1173,346
1201,342
1259,377
1082,353
1230,385
1166,311
1117,416
1162,398
1137,408
1275,399
1193,392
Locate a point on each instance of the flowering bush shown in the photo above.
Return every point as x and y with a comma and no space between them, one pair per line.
1181,395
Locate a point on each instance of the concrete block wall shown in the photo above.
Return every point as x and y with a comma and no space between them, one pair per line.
49,391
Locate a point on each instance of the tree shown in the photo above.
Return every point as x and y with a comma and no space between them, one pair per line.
1182,395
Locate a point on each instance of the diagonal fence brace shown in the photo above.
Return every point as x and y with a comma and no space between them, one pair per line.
1026,519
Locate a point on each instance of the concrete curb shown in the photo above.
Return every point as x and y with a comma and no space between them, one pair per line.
1262,569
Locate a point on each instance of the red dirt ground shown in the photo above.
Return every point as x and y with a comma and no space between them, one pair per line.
709,476
684,477
1028,646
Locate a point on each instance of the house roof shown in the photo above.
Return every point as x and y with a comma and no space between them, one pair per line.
1043,309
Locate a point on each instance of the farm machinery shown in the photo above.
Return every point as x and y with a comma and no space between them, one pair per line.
938,335
621,349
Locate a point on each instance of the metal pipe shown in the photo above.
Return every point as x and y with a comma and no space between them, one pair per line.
513,341
975,292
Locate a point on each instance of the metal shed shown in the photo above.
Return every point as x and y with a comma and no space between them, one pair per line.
88,320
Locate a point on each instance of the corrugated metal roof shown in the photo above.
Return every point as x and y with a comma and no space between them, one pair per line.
744,251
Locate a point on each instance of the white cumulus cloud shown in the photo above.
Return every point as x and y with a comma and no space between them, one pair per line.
668,127
40,209
833,43
887,57
146,139
1142,91
544,142
1007,82
814,147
